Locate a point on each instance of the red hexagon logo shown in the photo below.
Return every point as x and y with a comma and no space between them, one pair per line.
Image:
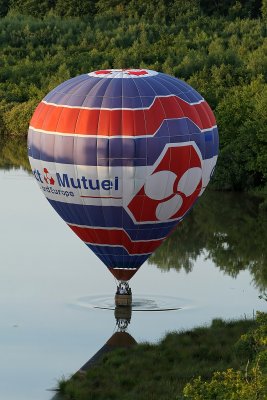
172,188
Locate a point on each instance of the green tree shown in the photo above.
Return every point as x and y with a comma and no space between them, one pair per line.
264,9
4,7
229,384
32,7
17,119
243,138
72,8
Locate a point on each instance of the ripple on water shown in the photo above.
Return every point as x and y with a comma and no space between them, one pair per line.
142,303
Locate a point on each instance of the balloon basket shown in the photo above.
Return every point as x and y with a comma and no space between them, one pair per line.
123,300
123,296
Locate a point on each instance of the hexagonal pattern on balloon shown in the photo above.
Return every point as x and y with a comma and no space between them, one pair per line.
172,188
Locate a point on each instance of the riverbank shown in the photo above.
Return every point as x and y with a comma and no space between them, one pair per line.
170,369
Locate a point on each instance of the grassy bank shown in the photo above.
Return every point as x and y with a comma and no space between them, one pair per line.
161,371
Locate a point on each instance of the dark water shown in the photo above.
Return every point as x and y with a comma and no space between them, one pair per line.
56,299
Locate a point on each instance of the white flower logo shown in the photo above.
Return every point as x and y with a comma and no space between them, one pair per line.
163,186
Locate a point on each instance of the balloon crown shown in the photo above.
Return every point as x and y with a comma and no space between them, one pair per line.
123,73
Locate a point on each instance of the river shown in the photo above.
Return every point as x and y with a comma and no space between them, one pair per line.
213,266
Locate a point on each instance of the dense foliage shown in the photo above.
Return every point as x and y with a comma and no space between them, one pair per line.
220,48
228,366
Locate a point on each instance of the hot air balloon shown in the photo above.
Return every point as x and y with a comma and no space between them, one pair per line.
122,156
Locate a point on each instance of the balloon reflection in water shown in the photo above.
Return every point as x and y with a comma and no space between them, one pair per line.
122,156
120,339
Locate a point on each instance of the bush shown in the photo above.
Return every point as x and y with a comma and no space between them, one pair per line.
17,119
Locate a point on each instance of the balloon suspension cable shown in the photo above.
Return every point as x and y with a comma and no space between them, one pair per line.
116,281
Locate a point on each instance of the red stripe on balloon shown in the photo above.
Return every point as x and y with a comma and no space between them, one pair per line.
115,237
136,122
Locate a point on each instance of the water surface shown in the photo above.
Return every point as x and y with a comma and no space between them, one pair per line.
56,297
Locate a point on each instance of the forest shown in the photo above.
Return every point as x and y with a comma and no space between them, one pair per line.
220,48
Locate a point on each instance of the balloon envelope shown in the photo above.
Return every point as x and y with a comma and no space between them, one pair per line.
122,155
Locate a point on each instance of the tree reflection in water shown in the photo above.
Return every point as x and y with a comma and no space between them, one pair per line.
228,228
13,153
